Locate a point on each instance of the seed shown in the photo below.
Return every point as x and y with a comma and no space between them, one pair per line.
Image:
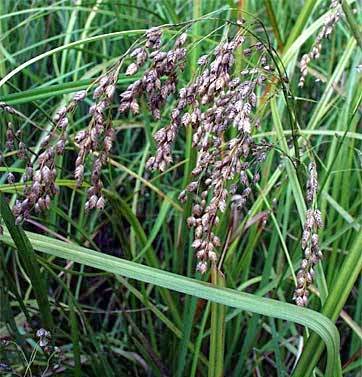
132,69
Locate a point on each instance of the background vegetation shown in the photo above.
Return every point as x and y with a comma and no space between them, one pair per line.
110,304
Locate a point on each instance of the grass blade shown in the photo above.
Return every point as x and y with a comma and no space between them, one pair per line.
264,306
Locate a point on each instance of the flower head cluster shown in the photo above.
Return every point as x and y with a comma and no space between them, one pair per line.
335,12
310,241
97,138
217,99
44,336
159,80
42,174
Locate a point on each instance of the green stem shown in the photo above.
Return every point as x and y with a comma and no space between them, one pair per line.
216,356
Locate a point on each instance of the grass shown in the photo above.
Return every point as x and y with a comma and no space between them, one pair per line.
118,289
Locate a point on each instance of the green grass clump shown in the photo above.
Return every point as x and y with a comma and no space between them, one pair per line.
117,288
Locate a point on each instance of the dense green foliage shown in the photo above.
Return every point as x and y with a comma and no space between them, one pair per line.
117,289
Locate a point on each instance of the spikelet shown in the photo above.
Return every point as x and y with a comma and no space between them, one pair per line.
310,240
335,12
